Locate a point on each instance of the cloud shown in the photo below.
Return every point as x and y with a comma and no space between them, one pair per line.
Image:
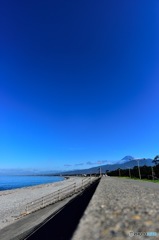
67,165
96,163
79,164
90,163
101,161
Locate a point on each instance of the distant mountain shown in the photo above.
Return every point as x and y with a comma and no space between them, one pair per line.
127,164
125,159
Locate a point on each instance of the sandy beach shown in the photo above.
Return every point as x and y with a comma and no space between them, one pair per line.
13,202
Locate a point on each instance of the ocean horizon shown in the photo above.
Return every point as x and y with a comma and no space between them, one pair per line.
8,182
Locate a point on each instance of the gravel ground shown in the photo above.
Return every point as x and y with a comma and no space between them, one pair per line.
13,202
118,207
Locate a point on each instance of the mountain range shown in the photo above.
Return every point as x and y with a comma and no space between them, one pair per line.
126,162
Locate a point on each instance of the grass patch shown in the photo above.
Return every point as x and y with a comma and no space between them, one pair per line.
144,179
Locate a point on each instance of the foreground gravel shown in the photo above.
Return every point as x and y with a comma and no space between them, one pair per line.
13,202
118,207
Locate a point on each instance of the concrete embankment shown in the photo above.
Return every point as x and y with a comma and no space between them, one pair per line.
121,209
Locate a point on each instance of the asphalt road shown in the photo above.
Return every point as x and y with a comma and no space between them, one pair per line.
121,209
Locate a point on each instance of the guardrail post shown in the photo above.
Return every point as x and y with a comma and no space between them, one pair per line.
82,184
26,208
74,187
58,195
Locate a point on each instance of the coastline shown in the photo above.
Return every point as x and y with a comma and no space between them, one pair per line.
13,202
13,182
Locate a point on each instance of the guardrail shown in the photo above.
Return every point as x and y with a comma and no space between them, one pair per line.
59,194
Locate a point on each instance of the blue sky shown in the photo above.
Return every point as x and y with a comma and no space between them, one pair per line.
79,82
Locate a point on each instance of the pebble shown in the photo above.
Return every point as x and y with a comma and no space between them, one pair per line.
119,207
13,202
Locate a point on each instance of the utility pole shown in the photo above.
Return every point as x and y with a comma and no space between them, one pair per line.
119,173
152,173
100,171
139,159
139,169
129,173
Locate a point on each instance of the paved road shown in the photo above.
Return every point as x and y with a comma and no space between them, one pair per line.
118,207
22,227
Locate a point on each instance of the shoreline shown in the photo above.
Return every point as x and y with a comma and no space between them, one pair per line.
64,178
13,202
9,191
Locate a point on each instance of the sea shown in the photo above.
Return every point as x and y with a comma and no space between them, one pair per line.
13,182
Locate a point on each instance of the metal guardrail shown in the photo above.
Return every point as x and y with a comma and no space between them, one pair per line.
59,195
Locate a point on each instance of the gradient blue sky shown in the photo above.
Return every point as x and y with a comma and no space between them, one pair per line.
79,82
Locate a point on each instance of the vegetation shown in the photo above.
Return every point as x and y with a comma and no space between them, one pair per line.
156,160
147,172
